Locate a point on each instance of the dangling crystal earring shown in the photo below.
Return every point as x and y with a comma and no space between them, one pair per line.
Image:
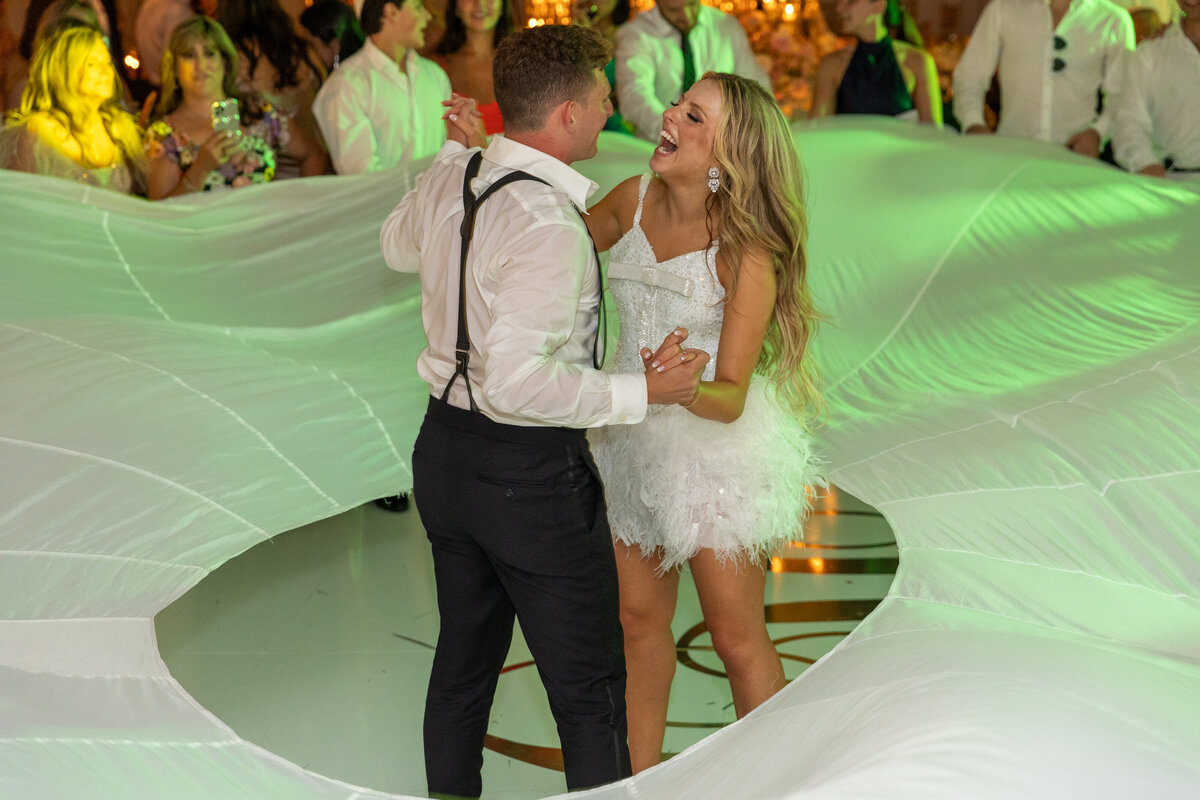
714,182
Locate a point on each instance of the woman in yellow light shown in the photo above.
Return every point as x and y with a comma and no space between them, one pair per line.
200,68
44,18
71,123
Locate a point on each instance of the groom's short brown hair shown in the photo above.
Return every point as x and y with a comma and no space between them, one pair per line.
536,69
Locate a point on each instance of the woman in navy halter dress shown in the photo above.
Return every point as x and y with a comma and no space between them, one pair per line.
878,74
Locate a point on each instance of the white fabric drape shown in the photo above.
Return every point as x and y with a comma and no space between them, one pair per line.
1012,371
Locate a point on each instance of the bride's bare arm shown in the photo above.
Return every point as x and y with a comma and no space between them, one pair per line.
747,315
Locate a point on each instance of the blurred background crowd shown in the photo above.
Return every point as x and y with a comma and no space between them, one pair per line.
167,97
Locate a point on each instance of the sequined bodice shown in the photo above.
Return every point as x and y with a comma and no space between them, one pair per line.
654,297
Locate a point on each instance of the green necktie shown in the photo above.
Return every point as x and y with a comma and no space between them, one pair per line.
689,64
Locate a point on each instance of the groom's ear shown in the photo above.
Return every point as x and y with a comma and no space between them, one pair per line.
564,116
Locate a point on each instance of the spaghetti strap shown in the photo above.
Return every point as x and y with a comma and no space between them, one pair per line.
645,184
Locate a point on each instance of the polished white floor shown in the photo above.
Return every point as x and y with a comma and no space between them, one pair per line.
317,644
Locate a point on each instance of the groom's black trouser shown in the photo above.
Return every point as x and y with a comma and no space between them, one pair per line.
517,521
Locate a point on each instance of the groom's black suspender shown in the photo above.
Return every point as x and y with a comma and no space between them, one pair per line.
471,204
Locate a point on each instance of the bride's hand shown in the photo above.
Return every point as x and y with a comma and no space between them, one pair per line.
671,353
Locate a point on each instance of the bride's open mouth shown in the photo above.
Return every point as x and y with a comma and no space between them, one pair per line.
667,144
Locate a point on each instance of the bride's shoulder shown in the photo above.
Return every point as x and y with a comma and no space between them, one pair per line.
628,192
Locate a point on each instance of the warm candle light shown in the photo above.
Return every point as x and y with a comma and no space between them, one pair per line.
131,61
789,13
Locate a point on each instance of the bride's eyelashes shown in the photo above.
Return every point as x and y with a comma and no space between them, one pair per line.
690,115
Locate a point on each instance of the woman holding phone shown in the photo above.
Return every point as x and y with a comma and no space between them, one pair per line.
207,136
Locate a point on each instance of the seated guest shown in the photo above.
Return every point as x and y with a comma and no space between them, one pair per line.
605,17
383,106
877,75
186,154
473,29
661,52
275,62
1158,116
335,31
1054,56
71,123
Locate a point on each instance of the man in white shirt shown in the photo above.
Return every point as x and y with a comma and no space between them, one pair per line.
506,486
383,106
673,44
1055,58
1158,117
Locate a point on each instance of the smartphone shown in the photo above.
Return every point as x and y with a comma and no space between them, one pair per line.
226,117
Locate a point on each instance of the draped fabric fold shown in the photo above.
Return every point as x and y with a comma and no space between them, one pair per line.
1012,367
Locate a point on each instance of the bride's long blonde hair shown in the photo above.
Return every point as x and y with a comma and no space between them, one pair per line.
759,207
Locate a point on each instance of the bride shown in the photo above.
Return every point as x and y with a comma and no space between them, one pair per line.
713,238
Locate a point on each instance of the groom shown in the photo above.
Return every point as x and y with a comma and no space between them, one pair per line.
507,489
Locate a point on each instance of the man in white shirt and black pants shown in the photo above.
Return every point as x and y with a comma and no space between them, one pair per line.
505,484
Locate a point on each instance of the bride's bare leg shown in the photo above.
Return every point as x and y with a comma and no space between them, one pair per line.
731,597
647,606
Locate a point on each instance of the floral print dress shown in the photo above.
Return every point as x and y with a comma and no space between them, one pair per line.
263,134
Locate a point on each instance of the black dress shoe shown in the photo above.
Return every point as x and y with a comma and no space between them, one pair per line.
394,503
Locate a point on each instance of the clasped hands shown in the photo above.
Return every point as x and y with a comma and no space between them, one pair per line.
673,371
464,123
